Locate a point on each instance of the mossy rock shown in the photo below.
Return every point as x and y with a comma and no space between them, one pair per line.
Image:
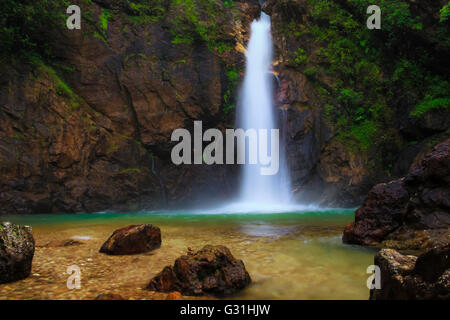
16,252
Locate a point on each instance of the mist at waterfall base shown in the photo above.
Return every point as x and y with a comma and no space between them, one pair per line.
261,193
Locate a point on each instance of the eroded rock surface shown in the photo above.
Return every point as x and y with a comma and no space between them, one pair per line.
92,131
132,240
16,252
210,271
410,213
326,166
411,278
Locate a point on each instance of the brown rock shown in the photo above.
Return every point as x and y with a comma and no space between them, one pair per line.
132,240
410,213
174,296
109,296
16,252
381,214
212,271
103,142
63,243
413,278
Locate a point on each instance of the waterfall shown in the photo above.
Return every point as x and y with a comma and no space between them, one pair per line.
256,111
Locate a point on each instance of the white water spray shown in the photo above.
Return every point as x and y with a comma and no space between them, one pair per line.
256,112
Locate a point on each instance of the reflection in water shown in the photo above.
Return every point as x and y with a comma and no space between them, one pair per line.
265,230
289,256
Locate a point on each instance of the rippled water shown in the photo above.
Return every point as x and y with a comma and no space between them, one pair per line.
294,255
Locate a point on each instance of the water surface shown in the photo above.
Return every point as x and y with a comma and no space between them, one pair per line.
291,255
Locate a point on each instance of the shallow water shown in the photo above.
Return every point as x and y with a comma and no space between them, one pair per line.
295,255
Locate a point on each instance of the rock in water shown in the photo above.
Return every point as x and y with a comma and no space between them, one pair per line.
109,296
16,252
409,277
409,213
133,239
213,271
63,243
174,296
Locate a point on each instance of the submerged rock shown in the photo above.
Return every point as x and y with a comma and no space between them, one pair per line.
63,243
212,270
132,240
410,277
174,296
109,296
409,213
16,252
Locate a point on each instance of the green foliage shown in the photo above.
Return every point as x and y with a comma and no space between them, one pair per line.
425,106
104,16
62,89
195,21
300,57
371,70
146,11
445,13
228,97
130,170
26,26
228,3
360,137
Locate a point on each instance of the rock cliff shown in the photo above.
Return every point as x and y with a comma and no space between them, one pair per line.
86,115
411,213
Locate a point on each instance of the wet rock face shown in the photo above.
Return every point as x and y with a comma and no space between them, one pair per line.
16,252
132,240
410,213
95,134
413,278
381,214
323,167
211,271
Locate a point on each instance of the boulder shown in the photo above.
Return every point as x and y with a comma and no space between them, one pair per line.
409,213
16,252
132,240
413,278
381,213
210,271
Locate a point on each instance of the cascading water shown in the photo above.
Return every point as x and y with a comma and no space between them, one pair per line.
256,112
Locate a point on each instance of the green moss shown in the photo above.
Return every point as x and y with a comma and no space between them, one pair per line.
129,170
425,106
228,3
229,94
146,11
62,88
300,57
445,13
360,74
360,137
104,17
26,27
196,21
